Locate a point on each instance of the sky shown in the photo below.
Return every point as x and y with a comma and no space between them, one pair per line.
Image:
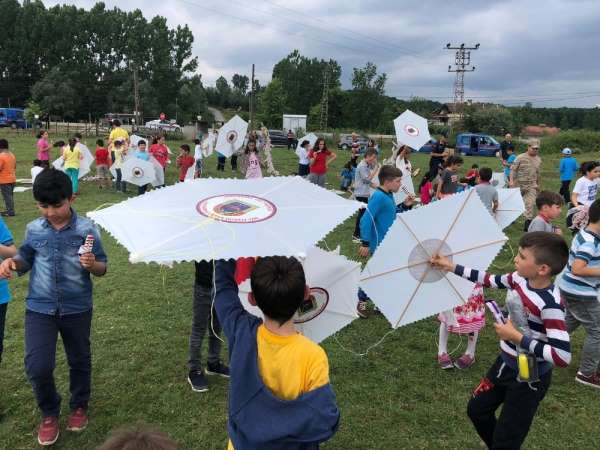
541,52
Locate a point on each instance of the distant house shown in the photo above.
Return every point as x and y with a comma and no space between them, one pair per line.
446,115
539,130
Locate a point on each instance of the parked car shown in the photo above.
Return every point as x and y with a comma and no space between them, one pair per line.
12,118
163,125
476,144
346,142
279,139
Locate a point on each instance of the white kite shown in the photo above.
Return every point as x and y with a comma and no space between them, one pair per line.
400,280
310,137
85,164
412,130
208,219
498,180
137,171
333,283
231,136
510,206
134,139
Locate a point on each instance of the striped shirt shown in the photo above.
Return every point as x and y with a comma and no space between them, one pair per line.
586,247
549,339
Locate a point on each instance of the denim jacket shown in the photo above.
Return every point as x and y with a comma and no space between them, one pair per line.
58,284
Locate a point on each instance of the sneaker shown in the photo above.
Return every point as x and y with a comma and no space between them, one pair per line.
48,431
362,310
78,420
356,239
7,214
445,361
197,381
464,362
217,369
592,380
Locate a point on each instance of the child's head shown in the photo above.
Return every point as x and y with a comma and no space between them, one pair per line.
73,142
278,287
549,204
185,149
42,134
541,255
139,438
390,178
118,143
510,150
37,163
426,179
116,123
142,145
590,169
53,192
485,174
3,144
454,162
321,145
594,212
100,143
475,166
59,144
304,144
370,155
348,165
251,147
196,141
78,137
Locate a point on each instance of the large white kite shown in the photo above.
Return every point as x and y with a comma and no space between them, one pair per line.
412,130
85,165
400,280
310,137
231,136
206,219
137,171
510,206
333,283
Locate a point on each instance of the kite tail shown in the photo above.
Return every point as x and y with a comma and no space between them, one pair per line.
268,158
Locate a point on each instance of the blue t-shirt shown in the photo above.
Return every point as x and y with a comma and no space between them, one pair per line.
509,161
568,168
142,155
6,238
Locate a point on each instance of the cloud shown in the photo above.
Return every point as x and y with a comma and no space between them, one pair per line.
542,52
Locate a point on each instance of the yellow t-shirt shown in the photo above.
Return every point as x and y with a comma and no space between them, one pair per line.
290,365
72,157
118,133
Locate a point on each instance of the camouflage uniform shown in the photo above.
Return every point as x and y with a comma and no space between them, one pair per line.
526,175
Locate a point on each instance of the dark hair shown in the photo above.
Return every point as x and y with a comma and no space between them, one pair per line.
116,122
427,177
324,144
510,148
388,173
453,160
59,144
154,140
78,136
41,133
185,148
3,144
547,248
247,149
348,165
370,152
72,143
141,142
100,143
588,166
52,187
485,174
140,437
304,143
37,162
475,166
278,285
196,141
548,198
594,212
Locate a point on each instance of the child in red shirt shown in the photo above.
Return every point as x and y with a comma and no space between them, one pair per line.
472,175
184,161
102,164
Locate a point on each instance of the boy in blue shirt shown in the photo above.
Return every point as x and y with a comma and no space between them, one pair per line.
510,159
568,168
59,300
7,250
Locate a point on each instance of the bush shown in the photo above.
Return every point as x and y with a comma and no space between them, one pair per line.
579,141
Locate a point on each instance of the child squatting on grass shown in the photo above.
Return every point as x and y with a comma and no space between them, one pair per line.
59,300
540,338
279,394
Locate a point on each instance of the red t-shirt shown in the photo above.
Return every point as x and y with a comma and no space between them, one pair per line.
102,156
319,166
184,163
160,152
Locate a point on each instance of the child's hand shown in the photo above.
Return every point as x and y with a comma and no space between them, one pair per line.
442,263
87,260
7,267
409,200
508,332
364,251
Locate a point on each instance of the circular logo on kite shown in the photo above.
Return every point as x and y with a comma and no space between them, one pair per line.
411,130
314,305
236,208
231,136
418,260
138,172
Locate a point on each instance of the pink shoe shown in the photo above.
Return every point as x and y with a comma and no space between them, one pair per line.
464,362
445,361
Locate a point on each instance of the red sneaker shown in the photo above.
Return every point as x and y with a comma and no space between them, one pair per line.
48,431
78,420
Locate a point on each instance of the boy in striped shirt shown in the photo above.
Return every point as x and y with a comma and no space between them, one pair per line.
541,256
578,285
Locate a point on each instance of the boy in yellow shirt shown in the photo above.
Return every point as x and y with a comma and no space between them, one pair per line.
279,396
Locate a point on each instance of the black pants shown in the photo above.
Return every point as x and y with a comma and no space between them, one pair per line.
201,321
221,163
142,189
234,162
565,190
303,170
120,185
361,212
41,335
520,402
7,193
3,308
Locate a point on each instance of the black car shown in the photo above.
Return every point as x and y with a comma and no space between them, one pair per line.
279,139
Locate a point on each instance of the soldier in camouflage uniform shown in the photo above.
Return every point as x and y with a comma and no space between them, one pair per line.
525,174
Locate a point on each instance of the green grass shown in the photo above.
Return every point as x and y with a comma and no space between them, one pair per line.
393,398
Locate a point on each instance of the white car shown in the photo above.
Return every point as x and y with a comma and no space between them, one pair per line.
161,125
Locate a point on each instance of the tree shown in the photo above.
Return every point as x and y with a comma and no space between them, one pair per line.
240,83
367,99
272,104
57,94
223,92
33,109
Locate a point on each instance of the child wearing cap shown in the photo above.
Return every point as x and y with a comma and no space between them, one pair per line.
568,168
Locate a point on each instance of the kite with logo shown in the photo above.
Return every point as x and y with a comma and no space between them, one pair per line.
333,282
310,137
85,164
400,280
510,206
137,171
206,219
231,136
412,130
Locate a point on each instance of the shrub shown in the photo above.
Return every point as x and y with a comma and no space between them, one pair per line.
580,141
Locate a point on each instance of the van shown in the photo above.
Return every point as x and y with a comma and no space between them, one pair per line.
473,144
12,117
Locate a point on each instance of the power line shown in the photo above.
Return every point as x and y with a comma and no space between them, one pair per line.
462,62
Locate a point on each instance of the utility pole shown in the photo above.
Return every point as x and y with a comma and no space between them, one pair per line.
136,97
252,100
462,62
325,100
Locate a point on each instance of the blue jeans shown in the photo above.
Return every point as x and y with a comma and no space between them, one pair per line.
41,335
201,323
74,176
3,307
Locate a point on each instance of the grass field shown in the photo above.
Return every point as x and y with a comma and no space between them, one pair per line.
393,398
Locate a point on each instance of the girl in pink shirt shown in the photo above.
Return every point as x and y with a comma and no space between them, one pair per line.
253,162
43,148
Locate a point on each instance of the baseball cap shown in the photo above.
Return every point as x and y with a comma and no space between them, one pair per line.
566,151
